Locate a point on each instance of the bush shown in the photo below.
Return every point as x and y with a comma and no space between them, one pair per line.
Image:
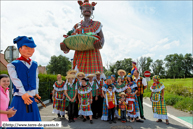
178,89
172,99
185,104
46,82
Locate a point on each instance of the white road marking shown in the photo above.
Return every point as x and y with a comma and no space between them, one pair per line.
174,117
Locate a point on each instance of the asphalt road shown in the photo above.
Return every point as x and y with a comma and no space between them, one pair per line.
150,122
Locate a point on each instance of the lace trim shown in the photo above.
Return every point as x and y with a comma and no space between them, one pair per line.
157,90
155,115
85,92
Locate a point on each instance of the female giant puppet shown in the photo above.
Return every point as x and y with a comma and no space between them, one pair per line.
87,61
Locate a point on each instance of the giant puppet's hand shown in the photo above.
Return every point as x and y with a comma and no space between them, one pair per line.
26,98
98,45
64,48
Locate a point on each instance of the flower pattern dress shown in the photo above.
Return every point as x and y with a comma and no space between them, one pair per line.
133,87
85,106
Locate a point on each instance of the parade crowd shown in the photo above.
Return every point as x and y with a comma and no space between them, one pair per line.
93,97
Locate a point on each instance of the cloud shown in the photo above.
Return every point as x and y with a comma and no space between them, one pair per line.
131,29
169,45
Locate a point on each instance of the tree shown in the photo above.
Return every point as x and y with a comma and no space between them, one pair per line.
58,65
174,64
157,67
125,64
144,64
188,64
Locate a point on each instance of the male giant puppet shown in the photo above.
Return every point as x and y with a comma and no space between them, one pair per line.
88,61
24,75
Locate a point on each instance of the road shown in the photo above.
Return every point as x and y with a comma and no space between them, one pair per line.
175,119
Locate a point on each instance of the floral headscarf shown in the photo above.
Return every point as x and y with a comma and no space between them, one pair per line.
156,77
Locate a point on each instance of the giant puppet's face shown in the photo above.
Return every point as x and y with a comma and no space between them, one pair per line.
87,11
26,51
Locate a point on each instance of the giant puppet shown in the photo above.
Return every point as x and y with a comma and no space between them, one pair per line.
24,74
86,38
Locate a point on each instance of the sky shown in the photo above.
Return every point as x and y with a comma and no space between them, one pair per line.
131,28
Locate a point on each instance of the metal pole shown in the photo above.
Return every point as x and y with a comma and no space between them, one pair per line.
11,59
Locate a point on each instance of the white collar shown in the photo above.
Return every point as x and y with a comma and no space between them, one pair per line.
137,78
72,83
110,92
91,83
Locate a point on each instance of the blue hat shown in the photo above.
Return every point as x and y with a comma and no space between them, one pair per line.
109,77
113,75
24,40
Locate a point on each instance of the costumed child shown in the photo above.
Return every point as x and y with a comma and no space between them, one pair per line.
79,77
94,87
134,89
104,89
70,90
24,75
123,106
119,87
111,102
5,113
85,100
100,82
134,67
158,102
130,99
59,97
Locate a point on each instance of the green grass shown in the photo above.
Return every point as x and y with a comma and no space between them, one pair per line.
177,93
188,82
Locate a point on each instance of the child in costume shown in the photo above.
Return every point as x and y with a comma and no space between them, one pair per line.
130,99
5,113
134,67
119,87
105,108
70,90
100,82
59,97
157,98
134,89
111,102
79,77
123,106
24,75
85,100
94,87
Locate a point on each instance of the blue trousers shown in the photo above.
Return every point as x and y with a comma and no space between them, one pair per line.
123,115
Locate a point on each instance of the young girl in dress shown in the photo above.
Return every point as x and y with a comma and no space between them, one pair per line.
5,113
130,105
59,97
85,100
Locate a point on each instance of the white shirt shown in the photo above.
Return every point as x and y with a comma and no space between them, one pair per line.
110,92
91,83
143,81
17,82
65,86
